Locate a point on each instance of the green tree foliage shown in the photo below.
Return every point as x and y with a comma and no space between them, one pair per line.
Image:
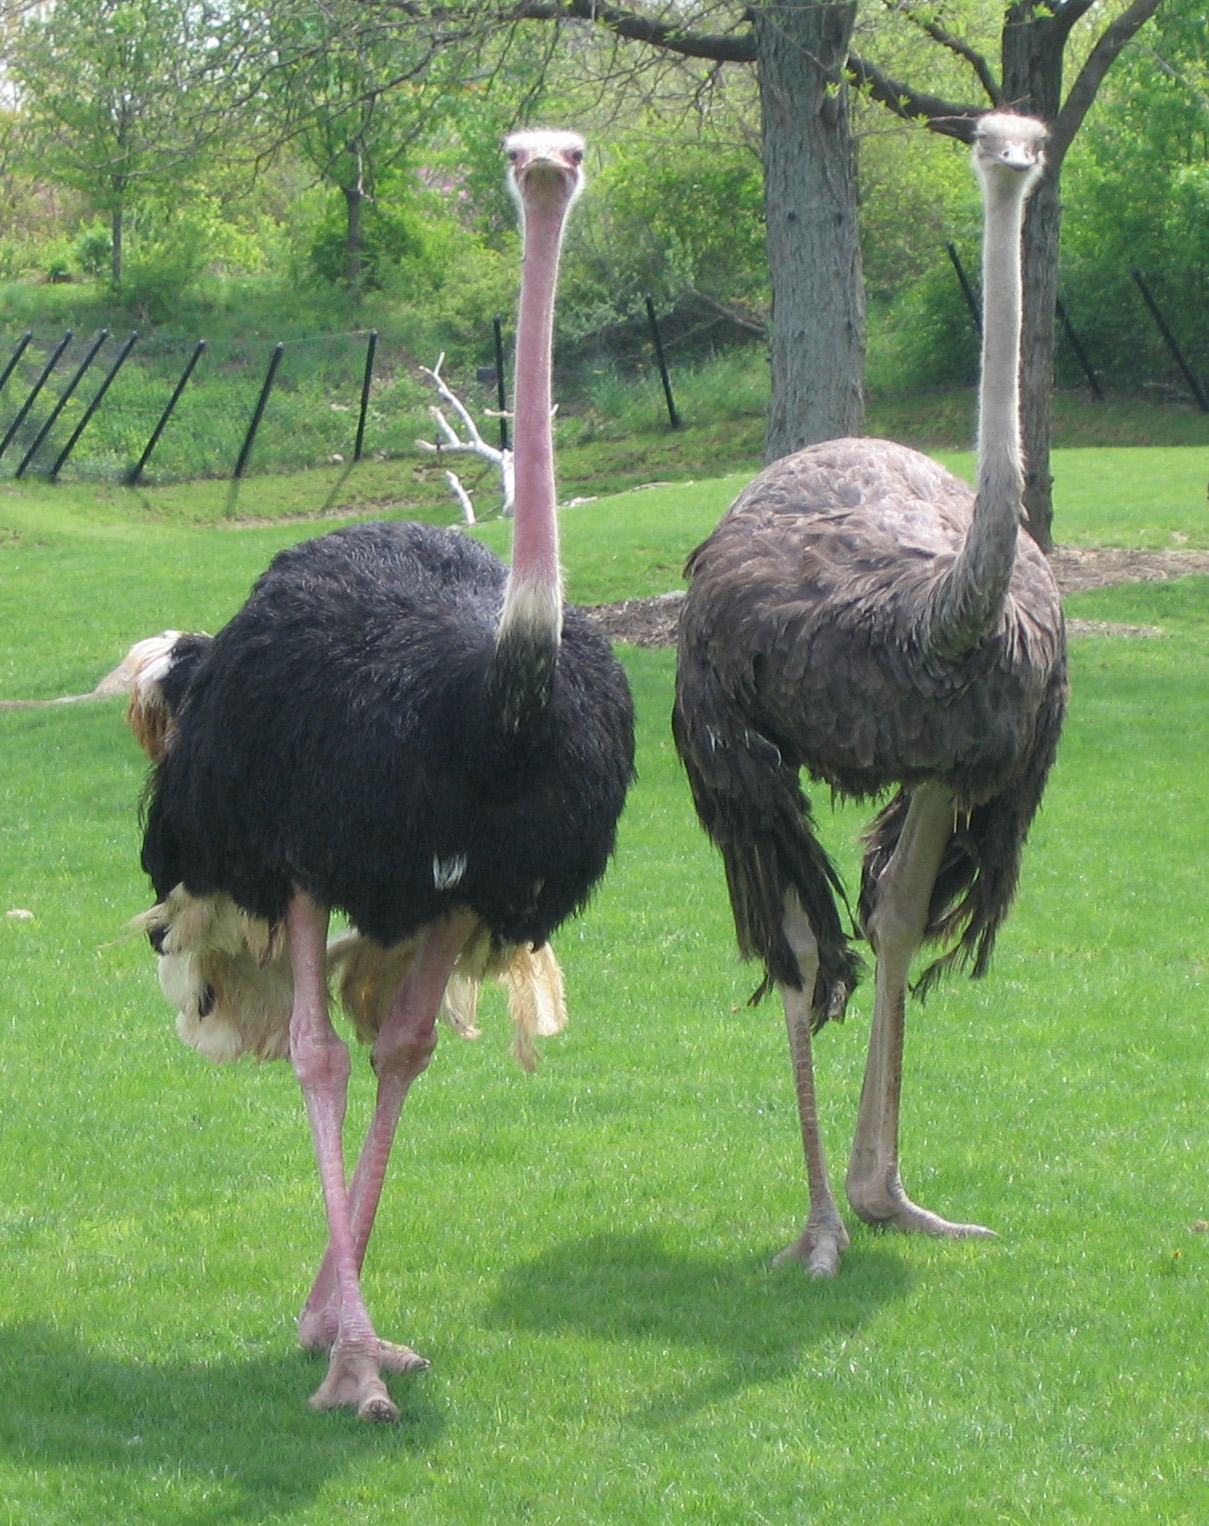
351,95
670,218
1137,196
118,99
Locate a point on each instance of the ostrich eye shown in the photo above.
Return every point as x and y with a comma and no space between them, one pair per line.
576,156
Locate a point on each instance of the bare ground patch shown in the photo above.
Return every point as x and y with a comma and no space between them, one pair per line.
653,622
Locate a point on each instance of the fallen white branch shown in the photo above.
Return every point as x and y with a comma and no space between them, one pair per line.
472,445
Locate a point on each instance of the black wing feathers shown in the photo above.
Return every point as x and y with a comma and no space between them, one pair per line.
336,737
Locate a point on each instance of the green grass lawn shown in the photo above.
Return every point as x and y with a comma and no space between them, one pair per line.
584,1254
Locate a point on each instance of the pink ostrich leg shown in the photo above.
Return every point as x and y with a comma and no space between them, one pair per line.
401,1052
321,1062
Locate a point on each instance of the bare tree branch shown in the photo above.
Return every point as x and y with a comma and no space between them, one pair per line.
473,445
963,50
950,118
735,48
1082,93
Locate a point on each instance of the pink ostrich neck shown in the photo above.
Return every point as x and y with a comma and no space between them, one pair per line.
534,593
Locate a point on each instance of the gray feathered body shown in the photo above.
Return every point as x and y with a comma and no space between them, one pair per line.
805,643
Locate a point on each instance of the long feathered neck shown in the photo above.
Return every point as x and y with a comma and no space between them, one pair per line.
973,594
530,627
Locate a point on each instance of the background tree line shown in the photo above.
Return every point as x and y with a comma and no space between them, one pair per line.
769,157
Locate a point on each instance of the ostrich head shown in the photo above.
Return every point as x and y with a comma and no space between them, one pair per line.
546,166
1007,146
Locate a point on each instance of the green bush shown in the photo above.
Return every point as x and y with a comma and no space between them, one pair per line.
652,225
924,339
389,235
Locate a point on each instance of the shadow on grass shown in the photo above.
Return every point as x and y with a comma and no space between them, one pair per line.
236,1440
752,1323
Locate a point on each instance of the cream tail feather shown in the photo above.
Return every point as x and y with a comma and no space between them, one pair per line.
228,976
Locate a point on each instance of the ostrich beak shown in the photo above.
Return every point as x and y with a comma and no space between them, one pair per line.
553,157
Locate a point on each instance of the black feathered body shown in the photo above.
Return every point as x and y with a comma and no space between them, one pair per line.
350,733
805,643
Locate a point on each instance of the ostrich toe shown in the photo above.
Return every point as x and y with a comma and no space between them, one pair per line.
354,1381
317,1333
819,1248
885,1205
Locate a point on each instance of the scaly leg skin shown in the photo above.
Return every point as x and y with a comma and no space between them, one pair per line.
402,1051
320,1318
824,1239
895,931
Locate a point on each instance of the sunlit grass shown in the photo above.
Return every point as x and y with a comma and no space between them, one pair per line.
584,1254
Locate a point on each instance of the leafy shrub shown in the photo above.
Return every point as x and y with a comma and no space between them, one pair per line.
93,249
667,224
923,339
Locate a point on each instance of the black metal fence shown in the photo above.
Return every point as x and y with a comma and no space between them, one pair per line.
1077,351
125,408
129,409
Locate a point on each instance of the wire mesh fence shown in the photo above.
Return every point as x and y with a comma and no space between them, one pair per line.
126,408
120,407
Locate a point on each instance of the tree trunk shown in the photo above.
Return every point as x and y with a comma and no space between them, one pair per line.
353,237
1033,44
354,195
1037,339
115,253
818,329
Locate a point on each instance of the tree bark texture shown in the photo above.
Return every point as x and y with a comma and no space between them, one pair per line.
818,328
116,226
1034,41
352,237
1040,282
354,195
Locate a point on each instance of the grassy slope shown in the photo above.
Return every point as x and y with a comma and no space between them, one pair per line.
147,561
585,1253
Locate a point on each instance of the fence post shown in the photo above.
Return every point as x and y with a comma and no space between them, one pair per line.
16,356
370,349
136,471
501,392
64,398
657,338
1080,354
967,290
38,385
1190,377
258,411
94,404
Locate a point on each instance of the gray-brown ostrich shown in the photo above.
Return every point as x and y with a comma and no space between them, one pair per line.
862,614
395,726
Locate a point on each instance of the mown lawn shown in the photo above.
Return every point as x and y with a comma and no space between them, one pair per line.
584,1254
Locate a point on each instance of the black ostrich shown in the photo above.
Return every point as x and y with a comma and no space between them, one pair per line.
398,727
861,614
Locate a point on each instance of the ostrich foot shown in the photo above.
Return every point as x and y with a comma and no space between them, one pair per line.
819,1247
884,1204
317,1333
354,1381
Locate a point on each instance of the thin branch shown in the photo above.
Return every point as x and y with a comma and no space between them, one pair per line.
976,61
473,445
1112,40
735,48
462,496
949,118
